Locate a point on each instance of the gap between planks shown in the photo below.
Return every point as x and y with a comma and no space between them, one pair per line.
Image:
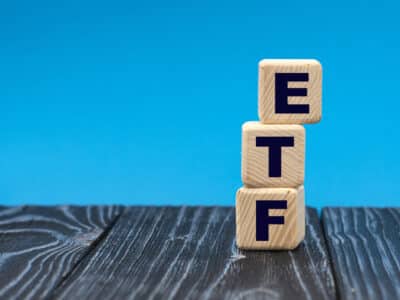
91,248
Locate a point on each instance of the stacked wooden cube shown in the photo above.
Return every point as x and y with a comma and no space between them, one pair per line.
270,208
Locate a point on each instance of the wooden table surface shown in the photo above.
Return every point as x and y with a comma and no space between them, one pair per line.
111,252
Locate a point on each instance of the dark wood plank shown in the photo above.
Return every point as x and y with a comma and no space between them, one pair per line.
41,245
365,247
190,253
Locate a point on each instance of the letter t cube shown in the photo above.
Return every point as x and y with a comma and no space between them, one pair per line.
272,155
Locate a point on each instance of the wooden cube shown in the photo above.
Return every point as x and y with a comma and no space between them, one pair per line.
289,91
270,218
272,155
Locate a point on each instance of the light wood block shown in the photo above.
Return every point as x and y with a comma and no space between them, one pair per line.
257,168
289,91
252,224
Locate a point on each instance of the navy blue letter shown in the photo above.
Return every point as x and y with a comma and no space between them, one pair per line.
282,92
275,144
263,219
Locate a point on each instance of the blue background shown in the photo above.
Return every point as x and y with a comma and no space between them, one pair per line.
142,102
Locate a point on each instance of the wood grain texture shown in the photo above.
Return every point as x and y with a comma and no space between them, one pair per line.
190,253
41,245
281,237
255,160
365,248
266,90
